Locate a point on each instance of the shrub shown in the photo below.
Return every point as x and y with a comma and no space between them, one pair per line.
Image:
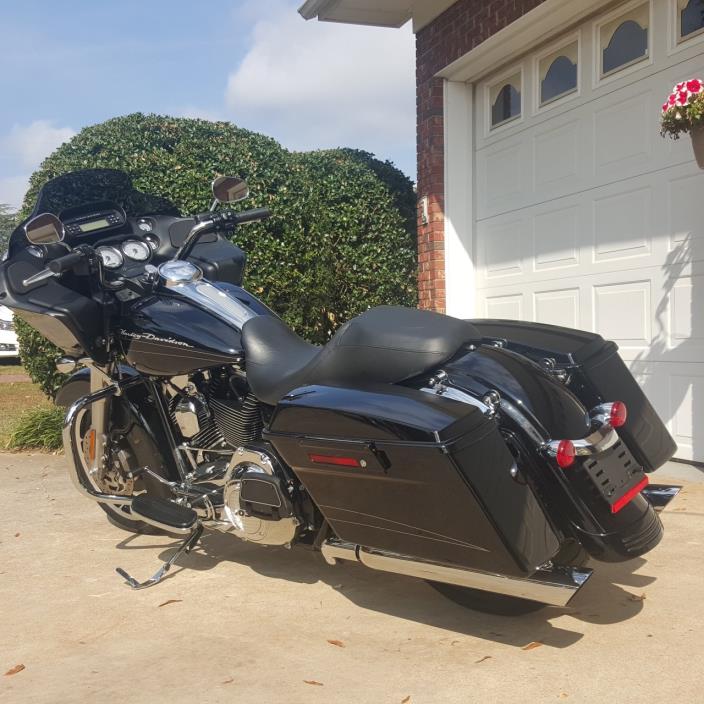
342,237
39,428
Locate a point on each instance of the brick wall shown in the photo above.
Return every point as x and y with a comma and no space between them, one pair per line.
458,30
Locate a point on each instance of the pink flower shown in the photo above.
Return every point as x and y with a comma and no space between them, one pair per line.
679,87
682,97
694,85
671,99
665,107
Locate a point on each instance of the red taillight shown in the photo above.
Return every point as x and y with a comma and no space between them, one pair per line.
618,414
335,459
629,495
565,454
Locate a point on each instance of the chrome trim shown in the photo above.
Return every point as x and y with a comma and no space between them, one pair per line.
66,365
659,495
214,300
601,439
555,586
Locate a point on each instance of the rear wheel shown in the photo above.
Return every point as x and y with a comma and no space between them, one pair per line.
487,602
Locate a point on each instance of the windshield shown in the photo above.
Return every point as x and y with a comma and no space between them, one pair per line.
94,185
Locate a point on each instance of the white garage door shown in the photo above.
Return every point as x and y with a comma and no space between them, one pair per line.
585,216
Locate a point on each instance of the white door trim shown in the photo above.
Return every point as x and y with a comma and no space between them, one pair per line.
460,288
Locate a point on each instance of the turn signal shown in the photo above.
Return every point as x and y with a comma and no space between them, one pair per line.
618,414
565,454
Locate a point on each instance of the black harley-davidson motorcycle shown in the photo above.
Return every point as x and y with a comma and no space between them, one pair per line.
483,456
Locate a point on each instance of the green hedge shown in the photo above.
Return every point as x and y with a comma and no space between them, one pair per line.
342,237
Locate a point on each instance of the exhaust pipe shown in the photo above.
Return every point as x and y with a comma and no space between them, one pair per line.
555,586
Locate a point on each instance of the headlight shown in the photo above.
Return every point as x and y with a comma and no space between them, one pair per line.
7,325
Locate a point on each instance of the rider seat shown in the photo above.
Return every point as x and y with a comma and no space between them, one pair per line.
387,344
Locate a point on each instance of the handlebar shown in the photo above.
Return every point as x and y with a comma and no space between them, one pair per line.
231,217
68,261
213,221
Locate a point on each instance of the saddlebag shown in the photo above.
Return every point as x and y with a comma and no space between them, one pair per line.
596,374
397,469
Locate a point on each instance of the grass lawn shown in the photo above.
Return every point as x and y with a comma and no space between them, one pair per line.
11,367
14,399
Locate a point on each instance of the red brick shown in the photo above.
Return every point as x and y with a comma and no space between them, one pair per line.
456,31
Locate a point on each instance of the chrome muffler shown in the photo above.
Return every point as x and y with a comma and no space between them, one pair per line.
554,586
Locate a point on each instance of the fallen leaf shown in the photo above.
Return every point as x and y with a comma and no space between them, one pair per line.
17,535
229,680
406,700
317,684
486,657
636,597
531,645
14,670
169,601
337,643
563,695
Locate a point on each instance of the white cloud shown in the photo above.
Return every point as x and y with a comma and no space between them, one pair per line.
314,84
12,190
31,144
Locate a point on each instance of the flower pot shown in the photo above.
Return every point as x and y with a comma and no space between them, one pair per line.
697,135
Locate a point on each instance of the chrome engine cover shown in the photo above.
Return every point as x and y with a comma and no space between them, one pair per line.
245,526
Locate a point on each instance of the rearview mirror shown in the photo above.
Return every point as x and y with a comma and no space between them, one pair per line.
44,229
230,189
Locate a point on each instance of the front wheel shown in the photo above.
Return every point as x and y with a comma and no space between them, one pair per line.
126,451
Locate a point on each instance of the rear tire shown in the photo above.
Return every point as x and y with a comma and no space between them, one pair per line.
487,602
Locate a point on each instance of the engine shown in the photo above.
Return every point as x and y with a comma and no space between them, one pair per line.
237,487
256,501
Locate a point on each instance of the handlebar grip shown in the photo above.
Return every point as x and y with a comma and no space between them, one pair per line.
234,218
68,261
253,215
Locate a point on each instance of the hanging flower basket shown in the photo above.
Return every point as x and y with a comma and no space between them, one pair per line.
684,112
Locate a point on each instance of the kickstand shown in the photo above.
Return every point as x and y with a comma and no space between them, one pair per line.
188,544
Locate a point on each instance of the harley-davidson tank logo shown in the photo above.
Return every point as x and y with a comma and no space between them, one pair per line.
153,338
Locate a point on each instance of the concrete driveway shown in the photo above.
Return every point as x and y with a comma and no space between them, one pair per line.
241,623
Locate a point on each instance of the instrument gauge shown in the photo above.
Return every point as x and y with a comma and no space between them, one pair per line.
111,257
152,242
145,225
134,249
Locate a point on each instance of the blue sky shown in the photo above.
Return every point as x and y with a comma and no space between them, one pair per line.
257,63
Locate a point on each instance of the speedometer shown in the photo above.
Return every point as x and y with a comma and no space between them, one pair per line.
112,257
134,249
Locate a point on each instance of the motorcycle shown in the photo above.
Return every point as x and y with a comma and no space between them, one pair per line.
488,457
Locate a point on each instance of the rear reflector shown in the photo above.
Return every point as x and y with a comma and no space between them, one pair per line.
618,414
565,454
335,459
629,495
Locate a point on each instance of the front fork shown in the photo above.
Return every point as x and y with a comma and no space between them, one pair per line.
95,445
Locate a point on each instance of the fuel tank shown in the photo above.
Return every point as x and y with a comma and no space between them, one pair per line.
182,329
